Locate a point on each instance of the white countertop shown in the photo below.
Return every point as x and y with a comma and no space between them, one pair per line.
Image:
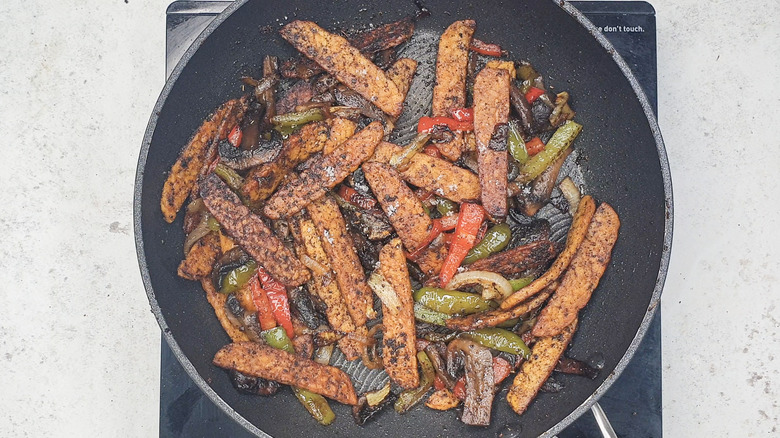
80,349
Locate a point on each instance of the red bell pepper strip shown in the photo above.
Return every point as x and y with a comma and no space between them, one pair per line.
438,383
235,136
449,222
426,124
265,315
459,390
463,114
277,296
355,198
534,146
484,48
533,93
469,220
432,235
432,151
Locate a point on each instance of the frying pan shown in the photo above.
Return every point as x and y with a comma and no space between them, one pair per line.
621,157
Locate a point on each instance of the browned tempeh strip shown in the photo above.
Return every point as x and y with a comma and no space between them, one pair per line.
451,61
200,258
343,259
402,73
535,371
491,108
258,360
492,318
583,275
217,301
452,150
250,233
402,207
517,260
399,351
324,173
579,226
346,63
443,178
262,180
431,259
181,179
340,130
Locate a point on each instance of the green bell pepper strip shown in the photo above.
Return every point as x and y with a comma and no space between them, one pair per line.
297,119
316,404
213,224
515,144
496,239
509,323
446,207
519,283
559,142
237,277
231,178
451,302
411,397
499,339
424,314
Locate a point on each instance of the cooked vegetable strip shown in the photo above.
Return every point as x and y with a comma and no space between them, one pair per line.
346,63
201,258
583,274
439,176
399,352
469,220
491,113
535,371
217,301
558,143
343,259
324,173
517,260
402,73
340,130
411,397
181,179
579,226
262,180
250,233
492,318
259,360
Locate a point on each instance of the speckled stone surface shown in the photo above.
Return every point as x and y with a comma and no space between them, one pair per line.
79,348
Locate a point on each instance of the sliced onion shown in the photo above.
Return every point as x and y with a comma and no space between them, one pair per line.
322,355
571,193
314,265
385,291
374,398
198,233
494,286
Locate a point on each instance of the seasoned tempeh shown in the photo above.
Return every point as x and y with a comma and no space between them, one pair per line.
583,274
402,73
491,108
200,258
443,178
398,340
324,173
340,130
258,360
343,259
451,61
346,63
250,233
579,226
535,371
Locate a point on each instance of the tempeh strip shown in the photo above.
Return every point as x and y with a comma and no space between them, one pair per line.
258,360
492,318
583,274
579,226
535,371
324,173
334,54
343,259
200,258
340,130
402,73
249,231
440,176
491,108
399,352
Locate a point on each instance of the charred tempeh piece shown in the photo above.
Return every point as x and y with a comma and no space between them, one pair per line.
579,226
201,258
250,233
184,173
442,177
324,173
343,259
583,274
383,37
334,54
535,371
517,260
402,73
399,352
258,360
491,111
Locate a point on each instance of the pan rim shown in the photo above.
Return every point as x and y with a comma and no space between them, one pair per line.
562,424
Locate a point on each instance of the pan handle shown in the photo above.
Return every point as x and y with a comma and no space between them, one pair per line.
601,419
